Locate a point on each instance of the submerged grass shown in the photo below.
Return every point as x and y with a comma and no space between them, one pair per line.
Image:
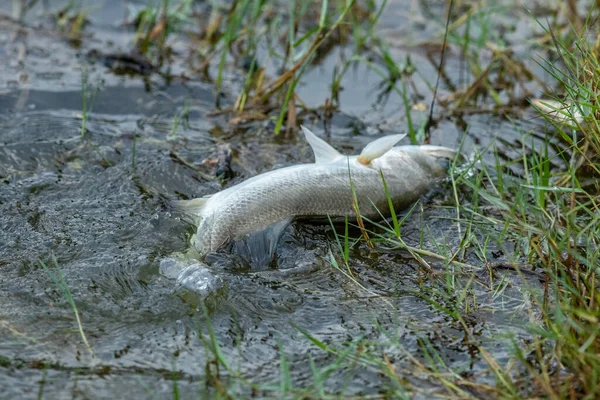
59,281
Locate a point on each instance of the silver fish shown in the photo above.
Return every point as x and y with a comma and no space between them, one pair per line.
322,188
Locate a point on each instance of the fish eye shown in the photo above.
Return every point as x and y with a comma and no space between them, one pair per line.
444,162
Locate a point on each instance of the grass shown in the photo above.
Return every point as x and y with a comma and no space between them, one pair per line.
59,281
552,221
242,33
72,19
157,23
86,97
88,93
544,222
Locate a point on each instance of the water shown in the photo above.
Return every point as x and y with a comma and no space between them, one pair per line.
101,209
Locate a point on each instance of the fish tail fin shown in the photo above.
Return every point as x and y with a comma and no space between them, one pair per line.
192,207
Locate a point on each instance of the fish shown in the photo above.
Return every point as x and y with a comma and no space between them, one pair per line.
320,189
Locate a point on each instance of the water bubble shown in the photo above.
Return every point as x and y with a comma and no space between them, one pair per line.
199,279
196,277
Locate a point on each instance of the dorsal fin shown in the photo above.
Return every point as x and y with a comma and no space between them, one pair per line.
191,207
378,147
323,151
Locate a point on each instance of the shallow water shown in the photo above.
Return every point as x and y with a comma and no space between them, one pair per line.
101,208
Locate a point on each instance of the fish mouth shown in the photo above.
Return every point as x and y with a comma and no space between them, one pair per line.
434,151
444,156
440,152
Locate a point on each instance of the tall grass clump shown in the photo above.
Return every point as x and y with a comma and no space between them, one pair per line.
537,215
545,220
567,243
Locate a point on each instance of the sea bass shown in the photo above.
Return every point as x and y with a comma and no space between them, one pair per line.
319,189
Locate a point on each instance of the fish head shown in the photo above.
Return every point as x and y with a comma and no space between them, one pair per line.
438,158
426,161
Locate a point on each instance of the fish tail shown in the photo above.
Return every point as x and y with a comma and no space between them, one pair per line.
192,207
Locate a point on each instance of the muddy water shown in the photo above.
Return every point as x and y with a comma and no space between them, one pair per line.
99,205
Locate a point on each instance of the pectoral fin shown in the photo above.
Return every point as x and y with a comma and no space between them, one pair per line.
378,147
258,248
324,152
